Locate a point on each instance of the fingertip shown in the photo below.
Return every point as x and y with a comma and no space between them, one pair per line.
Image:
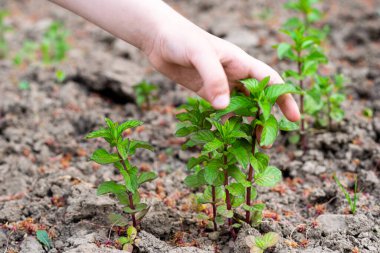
221,101
289,107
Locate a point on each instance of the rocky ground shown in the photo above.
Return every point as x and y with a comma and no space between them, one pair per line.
47,181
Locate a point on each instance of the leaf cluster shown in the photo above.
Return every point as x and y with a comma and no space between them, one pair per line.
143,93
258,244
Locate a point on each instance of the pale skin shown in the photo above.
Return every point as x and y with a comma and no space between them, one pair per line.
179,49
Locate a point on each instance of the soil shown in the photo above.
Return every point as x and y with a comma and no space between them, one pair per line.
47,181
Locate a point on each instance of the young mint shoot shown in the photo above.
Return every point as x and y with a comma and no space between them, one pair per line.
352,202
122,149
143,92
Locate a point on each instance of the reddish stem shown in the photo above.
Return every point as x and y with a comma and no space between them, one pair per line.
214,207
228,198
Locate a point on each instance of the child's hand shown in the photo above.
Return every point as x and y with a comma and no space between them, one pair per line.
179,49
209,65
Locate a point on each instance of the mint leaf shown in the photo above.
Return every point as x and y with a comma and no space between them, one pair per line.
101,156
269,177
270,131
110,187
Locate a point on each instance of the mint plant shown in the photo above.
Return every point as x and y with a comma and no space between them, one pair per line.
143,92
122,149
352,202
229,148
43,238
128,240
261,243
54,44
326,100
320,96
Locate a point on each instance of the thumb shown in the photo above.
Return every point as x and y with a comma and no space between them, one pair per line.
215,87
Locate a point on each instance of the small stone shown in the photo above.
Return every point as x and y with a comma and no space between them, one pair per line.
330,223
214,236
30,244
313,168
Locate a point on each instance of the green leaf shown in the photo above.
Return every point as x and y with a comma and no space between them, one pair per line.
101,133
134,144
274,91
138,208
269,177
212,170
240,154
101,156
238,175
146,177
266,107
196,161
257,207
117,220
43,238
251,84
270,239
309,68
131,233
202,136
236,189
195,180
110,187
283,50
236,103
123,240
286,125
121,148
270,131
185,131
222,210
128,124
213,145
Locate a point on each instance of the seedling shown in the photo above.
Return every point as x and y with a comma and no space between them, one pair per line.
122,149
325,100
320,97
368,112
3,29
26,54
54,44
128,241
351,201
60,75
261,243
44,239
24,85
143,92
232,143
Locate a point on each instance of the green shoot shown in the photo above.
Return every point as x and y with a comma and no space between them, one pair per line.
3,30
143,92
261,243
352,202
44,239
122,149
128,240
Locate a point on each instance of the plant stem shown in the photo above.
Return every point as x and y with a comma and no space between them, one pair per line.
132,206
328,112
214,207
302,129
251,173
228,197
130,195
213,194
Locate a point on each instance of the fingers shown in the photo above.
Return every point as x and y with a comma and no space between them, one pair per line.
215,84
286,102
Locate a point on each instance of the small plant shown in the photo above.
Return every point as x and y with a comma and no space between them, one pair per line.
128,241
24,85
54,44
60,75
325,100
143,92
351,201
368,112
261,243
122,149
44,239
52,49
320,96
228,149
3,29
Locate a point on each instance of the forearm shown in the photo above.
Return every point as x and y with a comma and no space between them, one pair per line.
135,21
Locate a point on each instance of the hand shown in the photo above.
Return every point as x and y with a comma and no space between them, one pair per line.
208,65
